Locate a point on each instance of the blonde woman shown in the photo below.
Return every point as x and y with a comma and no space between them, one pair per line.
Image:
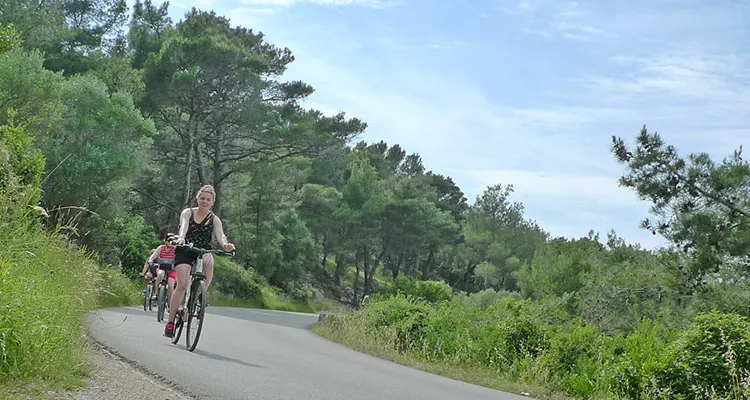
197,225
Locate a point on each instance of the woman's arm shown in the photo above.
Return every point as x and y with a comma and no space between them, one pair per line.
150,260
184,223
220,236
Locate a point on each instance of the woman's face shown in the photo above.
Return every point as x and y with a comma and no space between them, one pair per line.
205,200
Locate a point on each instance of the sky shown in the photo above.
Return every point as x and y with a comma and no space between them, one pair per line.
523,92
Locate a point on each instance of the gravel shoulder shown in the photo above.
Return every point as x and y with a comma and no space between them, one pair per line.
118,379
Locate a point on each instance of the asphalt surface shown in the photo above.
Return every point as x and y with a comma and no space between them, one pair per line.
262,354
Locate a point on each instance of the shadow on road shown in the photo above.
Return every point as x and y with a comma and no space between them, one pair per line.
218,357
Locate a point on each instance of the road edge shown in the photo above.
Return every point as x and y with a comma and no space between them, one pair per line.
158,378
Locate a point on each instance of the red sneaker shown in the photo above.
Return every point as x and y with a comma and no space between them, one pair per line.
169,330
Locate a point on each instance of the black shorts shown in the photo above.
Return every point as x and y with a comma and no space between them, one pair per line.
184,256
152,269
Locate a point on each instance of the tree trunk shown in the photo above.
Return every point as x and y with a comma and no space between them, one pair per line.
366,265
218,150
324,264
340,267
427,265
199,163
257,214
355,303
188,177
397,269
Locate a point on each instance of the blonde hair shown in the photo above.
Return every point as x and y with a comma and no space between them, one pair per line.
207,189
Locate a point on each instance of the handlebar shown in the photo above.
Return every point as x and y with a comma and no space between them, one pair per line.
201,251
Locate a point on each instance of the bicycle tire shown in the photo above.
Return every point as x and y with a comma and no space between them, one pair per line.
178,324
196,310
161,300
146,297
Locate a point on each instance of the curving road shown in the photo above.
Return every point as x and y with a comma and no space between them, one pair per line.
261,354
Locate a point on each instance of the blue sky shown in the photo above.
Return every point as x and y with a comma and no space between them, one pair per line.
523,92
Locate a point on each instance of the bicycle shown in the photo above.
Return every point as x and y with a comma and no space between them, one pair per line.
162,300
147,292
195,296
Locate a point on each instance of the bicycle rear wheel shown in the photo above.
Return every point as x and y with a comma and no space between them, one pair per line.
147,298
161,300
196,314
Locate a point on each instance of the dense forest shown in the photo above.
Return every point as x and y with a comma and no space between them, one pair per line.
117,116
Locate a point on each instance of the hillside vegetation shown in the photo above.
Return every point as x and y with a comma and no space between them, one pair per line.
111,119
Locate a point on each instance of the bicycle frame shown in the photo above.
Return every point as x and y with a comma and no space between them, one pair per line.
196,273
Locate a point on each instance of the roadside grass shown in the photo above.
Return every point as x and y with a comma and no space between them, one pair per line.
47,286
348,330
508,346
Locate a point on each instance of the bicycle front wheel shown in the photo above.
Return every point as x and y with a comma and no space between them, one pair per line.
196,314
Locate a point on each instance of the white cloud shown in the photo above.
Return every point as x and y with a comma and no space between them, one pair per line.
579,31
560,187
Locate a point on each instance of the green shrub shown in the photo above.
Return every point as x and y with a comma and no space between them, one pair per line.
574,353
400,320
485,298
117,290
430,291
301,292
236,282
446,332
630,366
709,356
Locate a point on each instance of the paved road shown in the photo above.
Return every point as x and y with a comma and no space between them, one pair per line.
269,355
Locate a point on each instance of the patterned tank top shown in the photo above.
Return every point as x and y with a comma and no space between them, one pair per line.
200,233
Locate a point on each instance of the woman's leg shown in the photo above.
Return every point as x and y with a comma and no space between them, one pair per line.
208,268
159,277
171,279
183,279
170,287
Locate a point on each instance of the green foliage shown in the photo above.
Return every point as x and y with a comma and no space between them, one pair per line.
708,356
9,37
47,288
101,138
557,268
702,206
234,281
235,286
485,298
20,163
125,242
575,357
28,93
429,291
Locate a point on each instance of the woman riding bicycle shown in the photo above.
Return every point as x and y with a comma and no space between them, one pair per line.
197,224
165,253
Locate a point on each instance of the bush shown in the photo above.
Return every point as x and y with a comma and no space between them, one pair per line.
430,291
710,355
485,298
236,282
633,360
399,320
117,290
